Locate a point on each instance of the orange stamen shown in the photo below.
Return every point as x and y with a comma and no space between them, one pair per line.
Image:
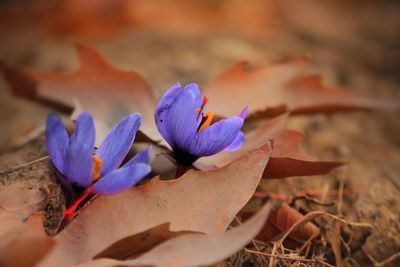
207,122
69,213
97,164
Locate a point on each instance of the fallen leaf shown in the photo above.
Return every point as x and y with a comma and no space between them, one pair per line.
196,249
17,204
266,89
26,244
198,201
287,158
283,218
108,93
135,245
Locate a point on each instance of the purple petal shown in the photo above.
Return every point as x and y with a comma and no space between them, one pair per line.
164,105
236,144
216,137
57,141
114,148
181,118
121,179
141,157
244,112
78,163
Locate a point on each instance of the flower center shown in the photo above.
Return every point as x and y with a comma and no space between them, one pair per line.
97,164
205,120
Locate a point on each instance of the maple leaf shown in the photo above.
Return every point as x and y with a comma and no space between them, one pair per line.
196,249
268,89
106,92
198,201
287,158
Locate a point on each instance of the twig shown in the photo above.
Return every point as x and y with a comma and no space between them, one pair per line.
356,224
312,200
289,258
12,169
307,218
308,243
273,252
384,262
254,243
336,234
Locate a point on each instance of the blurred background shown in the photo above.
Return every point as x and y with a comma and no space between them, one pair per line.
352,44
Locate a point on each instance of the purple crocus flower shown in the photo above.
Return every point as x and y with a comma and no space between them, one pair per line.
86,172
181,121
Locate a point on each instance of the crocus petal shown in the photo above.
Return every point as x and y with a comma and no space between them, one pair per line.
141,157
164,105
244,112
78,164
235,145
121,179
57,141
181,120
114,148
216,137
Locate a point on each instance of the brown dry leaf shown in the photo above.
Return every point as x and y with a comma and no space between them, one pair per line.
196,249
198,201
287,158
266,89
285,217
108,93
17,204
135,245
26,244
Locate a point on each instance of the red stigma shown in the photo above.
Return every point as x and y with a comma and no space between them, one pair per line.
70,212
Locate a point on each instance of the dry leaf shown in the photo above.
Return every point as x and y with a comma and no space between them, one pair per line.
196,249
198,201
287,158
283,218
137,244
266,89
108,93
17,204
26,244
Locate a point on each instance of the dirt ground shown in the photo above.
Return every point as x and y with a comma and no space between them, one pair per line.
364,57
